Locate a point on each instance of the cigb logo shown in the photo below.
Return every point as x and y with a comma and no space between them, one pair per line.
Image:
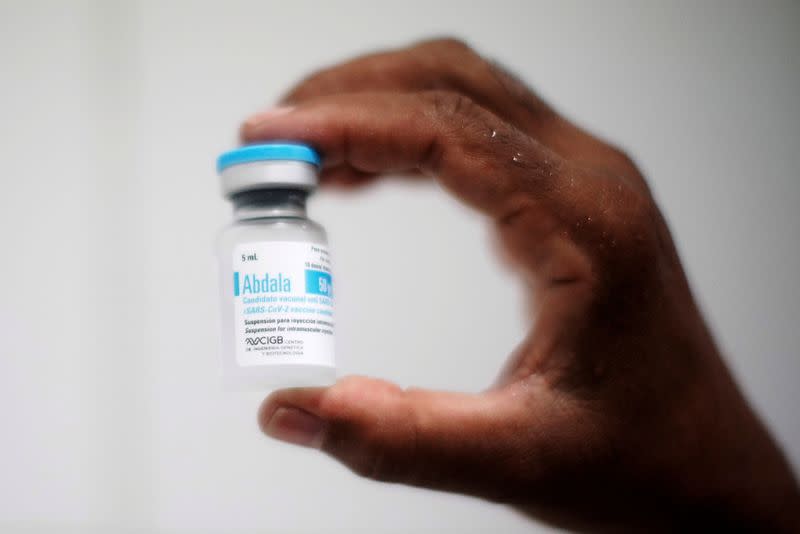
264,340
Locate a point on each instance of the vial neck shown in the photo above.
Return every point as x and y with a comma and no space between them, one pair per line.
269,203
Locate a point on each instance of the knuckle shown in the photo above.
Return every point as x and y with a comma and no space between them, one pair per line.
459,122
622,156
447,44
635,228
449,105
628,167
340,398
320,82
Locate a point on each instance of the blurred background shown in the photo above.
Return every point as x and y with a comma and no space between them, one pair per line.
111,116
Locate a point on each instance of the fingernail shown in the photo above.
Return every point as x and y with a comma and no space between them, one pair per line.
295,426
267,114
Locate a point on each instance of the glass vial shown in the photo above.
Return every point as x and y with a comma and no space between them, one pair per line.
275,271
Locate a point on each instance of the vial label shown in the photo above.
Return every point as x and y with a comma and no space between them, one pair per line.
283,300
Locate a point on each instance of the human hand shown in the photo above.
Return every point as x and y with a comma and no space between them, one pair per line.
616,411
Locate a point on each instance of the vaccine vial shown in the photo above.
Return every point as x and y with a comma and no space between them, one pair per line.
276,283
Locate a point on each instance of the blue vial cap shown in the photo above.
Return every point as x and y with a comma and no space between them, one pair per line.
269,152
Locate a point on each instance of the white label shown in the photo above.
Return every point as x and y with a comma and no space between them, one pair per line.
283,299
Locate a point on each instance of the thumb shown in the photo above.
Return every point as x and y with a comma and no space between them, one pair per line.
448,441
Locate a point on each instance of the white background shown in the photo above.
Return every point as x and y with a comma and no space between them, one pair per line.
111,116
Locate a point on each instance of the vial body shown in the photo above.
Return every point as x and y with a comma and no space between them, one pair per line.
277,304
276,285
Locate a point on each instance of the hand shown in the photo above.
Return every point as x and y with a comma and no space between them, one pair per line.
616,411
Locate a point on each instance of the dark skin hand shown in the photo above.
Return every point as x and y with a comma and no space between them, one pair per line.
616,412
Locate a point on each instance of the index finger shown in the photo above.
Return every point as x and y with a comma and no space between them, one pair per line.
483,160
